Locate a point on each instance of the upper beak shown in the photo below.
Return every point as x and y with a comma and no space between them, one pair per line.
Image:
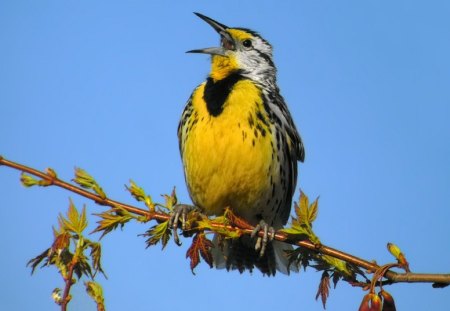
226,40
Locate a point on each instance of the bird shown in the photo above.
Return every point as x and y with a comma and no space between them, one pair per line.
240,148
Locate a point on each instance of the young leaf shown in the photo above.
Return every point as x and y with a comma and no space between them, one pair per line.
159,233
201,246
302,209
85,180
171,200
74,222
61,241
338,264
111,219
33,263
324,288
96,254
298,231
139,194
312,211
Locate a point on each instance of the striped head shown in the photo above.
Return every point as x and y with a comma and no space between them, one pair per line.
241,50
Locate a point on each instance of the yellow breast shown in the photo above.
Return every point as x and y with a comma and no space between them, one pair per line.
228,159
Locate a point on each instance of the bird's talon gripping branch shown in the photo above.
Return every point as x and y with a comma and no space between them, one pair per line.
179,214
261,242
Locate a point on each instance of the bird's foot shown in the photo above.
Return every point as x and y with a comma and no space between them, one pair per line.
179,214
261,242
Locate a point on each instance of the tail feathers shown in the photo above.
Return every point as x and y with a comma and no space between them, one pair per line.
240,254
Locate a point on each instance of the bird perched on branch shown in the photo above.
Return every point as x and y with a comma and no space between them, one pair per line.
240,147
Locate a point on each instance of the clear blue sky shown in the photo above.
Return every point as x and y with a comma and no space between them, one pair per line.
101,85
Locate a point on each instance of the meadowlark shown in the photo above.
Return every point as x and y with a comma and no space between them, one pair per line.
240,147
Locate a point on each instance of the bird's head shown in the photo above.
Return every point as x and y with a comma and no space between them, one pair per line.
241,50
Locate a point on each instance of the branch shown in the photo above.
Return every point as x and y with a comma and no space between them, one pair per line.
68,280
49,178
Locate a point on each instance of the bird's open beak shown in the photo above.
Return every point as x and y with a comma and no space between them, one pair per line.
227,42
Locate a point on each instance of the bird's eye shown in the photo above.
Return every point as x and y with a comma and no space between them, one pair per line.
247,43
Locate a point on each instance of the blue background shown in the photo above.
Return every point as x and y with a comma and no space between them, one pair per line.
101,85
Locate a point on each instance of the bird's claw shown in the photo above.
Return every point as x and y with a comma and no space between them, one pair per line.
261,242
179,214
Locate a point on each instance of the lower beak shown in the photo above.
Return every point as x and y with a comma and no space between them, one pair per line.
212,51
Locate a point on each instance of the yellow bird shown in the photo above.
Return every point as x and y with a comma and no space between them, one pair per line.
240,147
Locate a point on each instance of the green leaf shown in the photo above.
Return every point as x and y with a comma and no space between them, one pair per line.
338,264
312,211
111,219
296,230
305,213
98,190
96,254
74,222
139,194
302,209
159,233
171,200
85,180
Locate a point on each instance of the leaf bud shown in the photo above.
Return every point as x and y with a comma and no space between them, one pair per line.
28,181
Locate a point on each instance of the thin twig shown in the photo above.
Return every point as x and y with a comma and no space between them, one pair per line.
68,285
393,277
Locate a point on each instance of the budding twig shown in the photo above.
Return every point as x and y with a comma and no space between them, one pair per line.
371,267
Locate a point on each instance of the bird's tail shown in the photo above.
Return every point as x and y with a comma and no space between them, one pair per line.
240,254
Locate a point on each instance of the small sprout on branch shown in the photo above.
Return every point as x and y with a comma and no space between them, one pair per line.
56,296
305,213
170,200
397,253
139,194
51,172
95,291
28,180
86,181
